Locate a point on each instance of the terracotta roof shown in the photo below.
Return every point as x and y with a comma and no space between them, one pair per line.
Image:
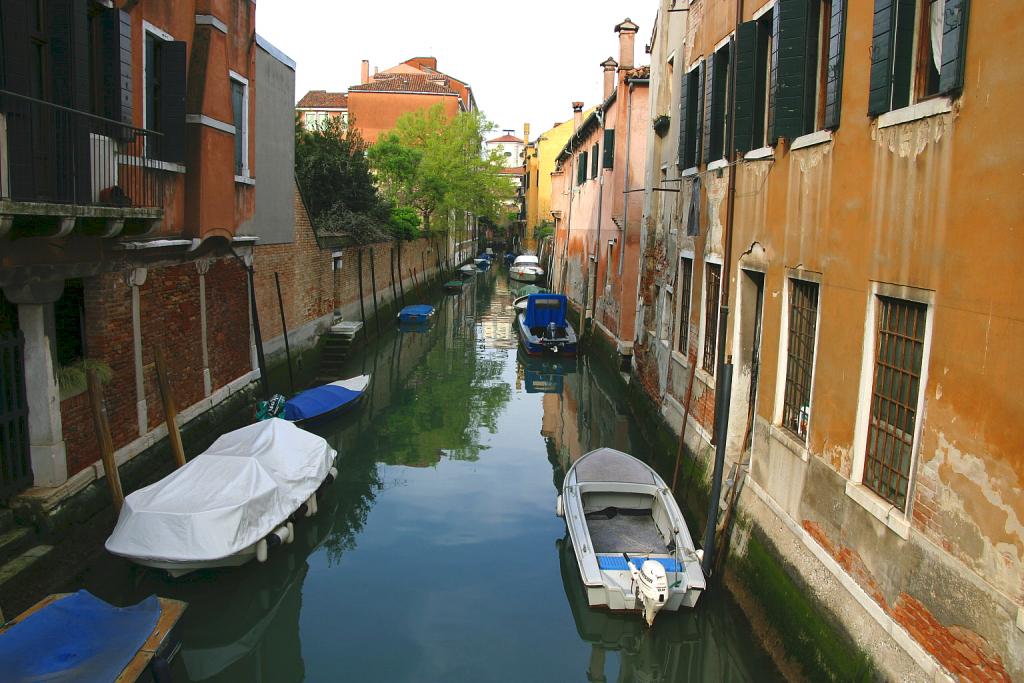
321,99
506,138
639,72
433,84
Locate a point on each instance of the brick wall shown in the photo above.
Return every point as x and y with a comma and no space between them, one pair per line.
417,257
227,321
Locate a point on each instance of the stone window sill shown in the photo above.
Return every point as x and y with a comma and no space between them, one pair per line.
882,510
790,442
689,172
715,165
818,137
759,154
916,112
706,377
245,180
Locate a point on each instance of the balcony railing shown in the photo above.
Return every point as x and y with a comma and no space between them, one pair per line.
54,154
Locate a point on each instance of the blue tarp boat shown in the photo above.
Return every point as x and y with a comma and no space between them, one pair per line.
79,637
417,313
327,400
543,327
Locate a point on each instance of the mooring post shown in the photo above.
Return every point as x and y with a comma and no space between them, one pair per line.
284,331
401,278
170,409
373,285
722,402
686,416
362,307
99,419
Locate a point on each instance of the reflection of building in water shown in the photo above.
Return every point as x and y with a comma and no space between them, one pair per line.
682,646
584,416
496,320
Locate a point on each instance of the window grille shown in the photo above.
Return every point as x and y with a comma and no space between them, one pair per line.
684,289
899,354
712,286
803,319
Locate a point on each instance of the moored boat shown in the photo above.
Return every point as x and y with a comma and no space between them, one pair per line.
232,503
326,401
526,268
417,313
543,327
632,545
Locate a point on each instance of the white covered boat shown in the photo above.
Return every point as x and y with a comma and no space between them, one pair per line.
631,542
228,505
526,268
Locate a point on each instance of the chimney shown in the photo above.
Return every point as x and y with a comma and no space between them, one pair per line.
364,72
577,115
609,76
627,34
526,133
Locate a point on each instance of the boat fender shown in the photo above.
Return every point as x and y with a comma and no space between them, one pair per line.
700,555
559,506
332,474
312,505
299,513
277,537
261,550
291,532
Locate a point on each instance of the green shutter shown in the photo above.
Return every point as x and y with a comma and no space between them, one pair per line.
773,85
684,120
746,74
709,99
794,56
172,101
594,160
954,46
698,114
608,160
719,116
903,53
834,66
882,36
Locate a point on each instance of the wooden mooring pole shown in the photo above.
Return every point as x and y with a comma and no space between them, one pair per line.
686,417
401,278
284,331
373,285
170,410
99,419
362,306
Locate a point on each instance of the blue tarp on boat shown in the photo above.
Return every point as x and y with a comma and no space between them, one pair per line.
317,401
542,309
416,313
618,562
76,638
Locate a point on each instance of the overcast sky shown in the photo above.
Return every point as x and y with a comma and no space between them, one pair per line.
526,61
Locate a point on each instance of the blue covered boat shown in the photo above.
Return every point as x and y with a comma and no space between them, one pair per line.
326,401
417,313
543,327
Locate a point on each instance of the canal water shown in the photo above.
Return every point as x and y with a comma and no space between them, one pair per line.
437,555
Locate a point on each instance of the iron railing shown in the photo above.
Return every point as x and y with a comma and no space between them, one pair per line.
55,154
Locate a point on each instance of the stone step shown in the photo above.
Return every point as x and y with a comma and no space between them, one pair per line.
22,562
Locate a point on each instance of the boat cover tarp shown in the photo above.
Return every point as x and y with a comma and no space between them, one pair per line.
236,492
76,638
618,562
542,309
317,401
415,313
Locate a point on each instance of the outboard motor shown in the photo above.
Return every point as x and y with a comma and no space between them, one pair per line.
651,586
552,330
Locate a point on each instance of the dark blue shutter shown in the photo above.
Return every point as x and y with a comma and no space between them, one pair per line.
746,74
609,148
773,86
834,66
795,53
709,100
882,37
954,46
172,100
116,67
903,53
684,91
698,123
594,160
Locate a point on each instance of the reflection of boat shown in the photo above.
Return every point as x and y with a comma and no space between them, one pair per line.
453,286
545,374
468,269
229,504
543,327
526,268
632,546
326,401
481,263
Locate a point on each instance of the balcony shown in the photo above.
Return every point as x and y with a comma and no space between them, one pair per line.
65,171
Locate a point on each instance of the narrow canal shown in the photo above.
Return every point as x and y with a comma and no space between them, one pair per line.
437,555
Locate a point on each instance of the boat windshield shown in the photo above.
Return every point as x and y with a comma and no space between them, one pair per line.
526,260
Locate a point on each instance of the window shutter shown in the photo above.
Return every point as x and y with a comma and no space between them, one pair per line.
594,160
16,78
882,35
793,59
903,53
709,99
116,29
719,115
172,101
609,148
773,86
684,92
746,58
954,46
834,73
698,123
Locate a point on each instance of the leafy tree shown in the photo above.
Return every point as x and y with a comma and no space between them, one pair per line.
405,222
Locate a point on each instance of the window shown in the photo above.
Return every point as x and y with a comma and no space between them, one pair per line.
684,286
69,317
803,321
163,108
608,159
314,120
917,51
712,288
240,110
716,118
594,160
581,168
899,358
691,102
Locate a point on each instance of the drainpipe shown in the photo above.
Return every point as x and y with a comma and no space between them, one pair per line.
723,389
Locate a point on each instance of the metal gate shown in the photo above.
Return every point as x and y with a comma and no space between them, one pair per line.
15,460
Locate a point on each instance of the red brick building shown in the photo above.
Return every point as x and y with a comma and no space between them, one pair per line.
128,167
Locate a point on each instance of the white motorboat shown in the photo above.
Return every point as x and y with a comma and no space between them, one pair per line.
632,545
468,269
526,268
230,504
